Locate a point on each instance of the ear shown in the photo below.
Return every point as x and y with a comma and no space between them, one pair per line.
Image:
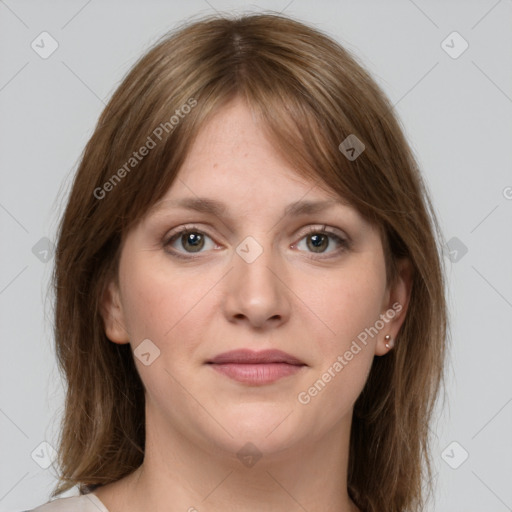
395,307
113,314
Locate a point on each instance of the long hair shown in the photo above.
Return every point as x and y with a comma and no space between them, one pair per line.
311,95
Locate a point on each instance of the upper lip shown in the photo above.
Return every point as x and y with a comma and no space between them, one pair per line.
245,356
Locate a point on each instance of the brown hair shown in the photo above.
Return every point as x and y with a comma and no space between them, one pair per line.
311,94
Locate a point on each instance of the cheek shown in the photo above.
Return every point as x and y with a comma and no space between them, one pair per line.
345,303
348,307
162,305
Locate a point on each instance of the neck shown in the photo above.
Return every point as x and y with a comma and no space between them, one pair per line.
177,471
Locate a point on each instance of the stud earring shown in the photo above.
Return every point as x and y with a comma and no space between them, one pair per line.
389,341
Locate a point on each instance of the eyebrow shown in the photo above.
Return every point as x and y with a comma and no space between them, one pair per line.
217,208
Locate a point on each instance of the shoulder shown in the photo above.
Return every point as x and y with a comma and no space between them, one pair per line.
84,503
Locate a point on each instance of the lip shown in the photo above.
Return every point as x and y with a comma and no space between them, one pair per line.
245,356
256,368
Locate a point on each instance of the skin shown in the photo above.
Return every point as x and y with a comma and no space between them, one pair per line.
197,420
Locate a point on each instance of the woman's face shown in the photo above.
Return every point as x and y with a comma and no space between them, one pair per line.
253,275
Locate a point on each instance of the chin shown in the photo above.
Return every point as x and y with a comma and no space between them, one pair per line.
271,429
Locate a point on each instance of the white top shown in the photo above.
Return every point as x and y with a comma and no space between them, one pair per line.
85,503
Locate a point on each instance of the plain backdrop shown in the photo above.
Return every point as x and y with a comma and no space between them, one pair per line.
456,106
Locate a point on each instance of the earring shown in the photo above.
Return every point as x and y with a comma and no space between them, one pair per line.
389,342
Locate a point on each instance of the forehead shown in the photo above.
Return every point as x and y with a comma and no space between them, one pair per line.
233,155
233,169
233,139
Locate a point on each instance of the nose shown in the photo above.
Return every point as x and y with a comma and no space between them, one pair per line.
256,292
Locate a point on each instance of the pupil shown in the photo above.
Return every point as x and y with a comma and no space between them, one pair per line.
194,240
318,240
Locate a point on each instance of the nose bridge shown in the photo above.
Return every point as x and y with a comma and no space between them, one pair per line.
254,289
253,263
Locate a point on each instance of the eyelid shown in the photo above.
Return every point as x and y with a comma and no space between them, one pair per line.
325,228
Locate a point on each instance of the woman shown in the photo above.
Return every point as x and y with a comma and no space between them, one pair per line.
250,308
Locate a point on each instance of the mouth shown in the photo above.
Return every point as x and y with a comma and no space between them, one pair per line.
256,368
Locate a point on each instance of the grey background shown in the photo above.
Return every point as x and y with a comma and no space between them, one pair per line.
457,113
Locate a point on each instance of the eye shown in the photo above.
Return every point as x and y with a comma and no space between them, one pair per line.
192,240
319,240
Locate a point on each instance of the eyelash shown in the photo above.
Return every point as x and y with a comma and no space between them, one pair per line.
343,242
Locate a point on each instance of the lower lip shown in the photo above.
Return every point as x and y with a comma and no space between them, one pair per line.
263,373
